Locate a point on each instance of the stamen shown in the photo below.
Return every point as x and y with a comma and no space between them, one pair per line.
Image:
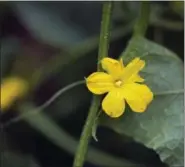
118,83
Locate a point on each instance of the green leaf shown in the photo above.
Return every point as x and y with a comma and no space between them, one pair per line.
161,126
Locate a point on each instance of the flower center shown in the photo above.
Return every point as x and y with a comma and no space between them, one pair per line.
118,83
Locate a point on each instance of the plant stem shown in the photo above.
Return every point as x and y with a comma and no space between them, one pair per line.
140,27
105,32
103,52
143,20
45,105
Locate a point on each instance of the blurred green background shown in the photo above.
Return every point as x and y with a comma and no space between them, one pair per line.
54,44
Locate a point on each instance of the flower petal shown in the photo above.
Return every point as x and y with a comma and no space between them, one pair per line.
137,96
121,63
99,83
113,67
132,69
138,78
11,89
135,78
113,104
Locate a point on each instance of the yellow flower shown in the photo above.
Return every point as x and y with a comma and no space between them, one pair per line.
12,89
122,84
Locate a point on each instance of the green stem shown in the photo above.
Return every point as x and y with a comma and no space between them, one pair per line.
143,20
140,27
105,32
103,52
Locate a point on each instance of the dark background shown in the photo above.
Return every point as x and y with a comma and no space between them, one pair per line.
34,32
